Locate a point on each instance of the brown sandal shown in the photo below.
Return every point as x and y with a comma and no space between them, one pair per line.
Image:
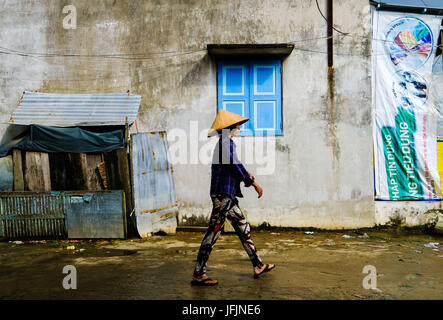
203,281
265,268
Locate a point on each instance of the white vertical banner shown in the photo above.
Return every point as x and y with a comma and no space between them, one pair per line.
405,118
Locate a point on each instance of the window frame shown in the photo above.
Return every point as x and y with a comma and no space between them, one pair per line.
250,63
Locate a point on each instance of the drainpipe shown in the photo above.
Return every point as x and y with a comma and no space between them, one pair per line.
332,125
330,34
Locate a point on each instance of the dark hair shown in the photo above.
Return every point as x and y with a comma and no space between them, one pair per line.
231,127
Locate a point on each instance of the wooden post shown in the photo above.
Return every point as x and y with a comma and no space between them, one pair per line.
37,173
118,175
19,183
123,173
90,163
126,131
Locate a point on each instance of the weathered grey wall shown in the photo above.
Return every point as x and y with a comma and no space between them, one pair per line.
323,174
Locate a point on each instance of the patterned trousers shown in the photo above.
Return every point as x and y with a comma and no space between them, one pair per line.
225,207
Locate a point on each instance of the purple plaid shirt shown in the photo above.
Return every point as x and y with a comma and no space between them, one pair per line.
227,171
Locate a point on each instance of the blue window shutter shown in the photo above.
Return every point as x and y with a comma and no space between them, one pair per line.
233,90
265,97
253,90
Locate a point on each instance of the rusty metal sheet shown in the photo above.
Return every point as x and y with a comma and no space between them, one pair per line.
95,214
155,204
32,215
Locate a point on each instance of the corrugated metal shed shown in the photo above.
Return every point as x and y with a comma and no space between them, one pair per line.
66,110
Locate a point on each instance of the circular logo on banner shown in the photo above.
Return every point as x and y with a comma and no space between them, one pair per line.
409,42
410,89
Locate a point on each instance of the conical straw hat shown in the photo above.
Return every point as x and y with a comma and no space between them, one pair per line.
225,119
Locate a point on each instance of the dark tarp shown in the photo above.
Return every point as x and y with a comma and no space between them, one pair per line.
54,139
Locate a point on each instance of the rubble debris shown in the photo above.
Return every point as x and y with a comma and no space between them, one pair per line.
439,226
433,245
365,235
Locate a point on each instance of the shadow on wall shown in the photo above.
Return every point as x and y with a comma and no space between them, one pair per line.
194,76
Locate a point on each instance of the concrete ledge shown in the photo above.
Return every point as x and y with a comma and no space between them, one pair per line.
408,213
278,50
191,228
328,215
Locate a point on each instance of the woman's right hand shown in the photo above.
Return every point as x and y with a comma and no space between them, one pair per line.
258,189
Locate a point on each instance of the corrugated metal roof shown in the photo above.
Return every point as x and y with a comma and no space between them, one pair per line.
66,110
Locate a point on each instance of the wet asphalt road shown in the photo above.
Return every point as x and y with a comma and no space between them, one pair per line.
324,265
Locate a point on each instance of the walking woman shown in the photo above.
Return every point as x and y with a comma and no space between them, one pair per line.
226,174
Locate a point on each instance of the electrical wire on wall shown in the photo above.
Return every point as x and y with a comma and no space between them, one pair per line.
172,54
331,25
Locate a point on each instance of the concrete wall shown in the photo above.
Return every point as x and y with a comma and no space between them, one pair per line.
408,213
323,161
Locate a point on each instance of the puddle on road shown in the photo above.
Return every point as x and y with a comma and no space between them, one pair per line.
154,245
105,253
102,256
